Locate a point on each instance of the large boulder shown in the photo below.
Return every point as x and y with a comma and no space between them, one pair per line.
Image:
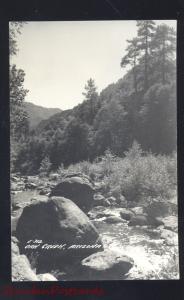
106,265
77,189
57,221
21,269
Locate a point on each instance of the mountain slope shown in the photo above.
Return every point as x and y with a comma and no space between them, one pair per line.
38,113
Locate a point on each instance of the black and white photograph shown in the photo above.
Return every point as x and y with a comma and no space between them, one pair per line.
93,150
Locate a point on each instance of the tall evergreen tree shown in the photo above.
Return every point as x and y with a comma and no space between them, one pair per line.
131,58
164,47
91,96
145,33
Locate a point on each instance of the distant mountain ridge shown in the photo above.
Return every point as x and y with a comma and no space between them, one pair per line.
38,113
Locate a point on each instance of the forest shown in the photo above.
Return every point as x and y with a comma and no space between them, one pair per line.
140,107
102,173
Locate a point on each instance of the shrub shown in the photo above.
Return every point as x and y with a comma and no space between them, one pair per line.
141,175
137,176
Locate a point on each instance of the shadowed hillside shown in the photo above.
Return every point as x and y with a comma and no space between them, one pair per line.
38,113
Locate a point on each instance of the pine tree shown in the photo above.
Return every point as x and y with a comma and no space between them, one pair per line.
164,46
131,58
91,96
145,33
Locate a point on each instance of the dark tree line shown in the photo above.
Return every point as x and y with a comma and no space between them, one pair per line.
141,106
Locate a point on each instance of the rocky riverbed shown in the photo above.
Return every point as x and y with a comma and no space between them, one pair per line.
136,243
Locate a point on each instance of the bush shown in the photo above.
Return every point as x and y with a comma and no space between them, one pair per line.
137,176
140,176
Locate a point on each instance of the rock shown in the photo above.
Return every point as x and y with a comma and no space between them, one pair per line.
106,265
54,176
99,212
76,189
155,222
99,186
15,178
14,221
14,246
170,237
171,222
20,200
46,277
140,220
17,186
131,204
14,240
143,220
138,210
126,214
44,191
21,269
113,219
122,201
83,176
57,221
106,203
32,179
112,200
100,200
103,212
158,208
30,185
17,205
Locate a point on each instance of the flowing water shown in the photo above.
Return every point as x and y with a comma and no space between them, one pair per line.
153,257
150,253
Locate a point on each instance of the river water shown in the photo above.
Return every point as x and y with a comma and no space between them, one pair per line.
153,257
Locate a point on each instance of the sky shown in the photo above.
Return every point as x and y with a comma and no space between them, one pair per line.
59,57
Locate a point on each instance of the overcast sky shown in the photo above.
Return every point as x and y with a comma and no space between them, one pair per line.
59,57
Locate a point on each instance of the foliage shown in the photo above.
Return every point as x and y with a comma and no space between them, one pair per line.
141,106
137,176
14,30
18,116
143,176
45,166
